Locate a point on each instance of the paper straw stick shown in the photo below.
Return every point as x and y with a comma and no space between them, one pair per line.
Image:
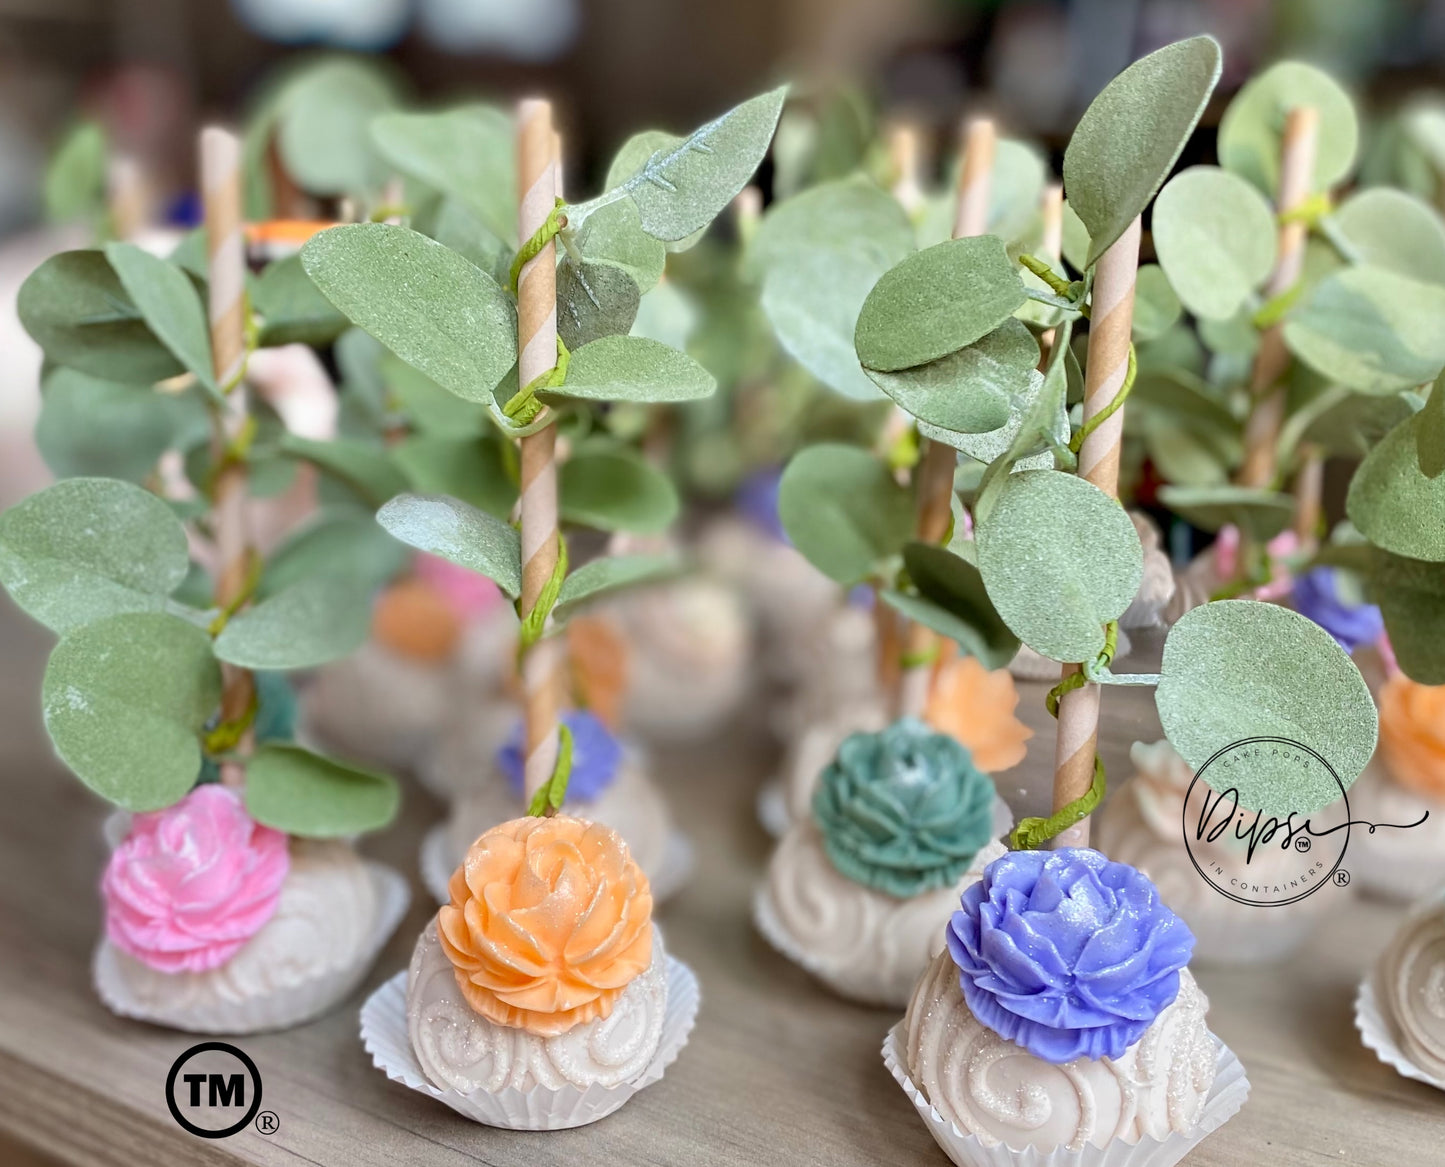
1309,486
905,148
1051,248
542,676
1110,327
934,486
128,196
226,308
1298,148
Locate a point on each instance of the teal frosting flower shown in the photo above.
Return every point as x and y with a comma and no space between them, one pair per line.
903,811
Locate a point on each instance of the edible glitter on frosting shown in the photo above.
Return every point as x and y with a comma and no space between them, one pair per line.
596,756
189,885
903,811
550,919
1317,596
1066,953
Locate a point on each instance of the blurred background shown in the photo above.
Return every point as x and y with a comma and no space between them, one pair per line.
151,69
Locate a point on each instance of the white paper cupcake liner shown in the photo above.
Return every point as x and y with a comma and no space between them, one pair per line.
384,1033
277,1010
1378,1034
1226,1096
437,862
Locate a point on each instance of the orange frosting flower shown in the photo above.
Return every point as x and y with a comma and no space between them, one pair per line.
976,706
414,620
549,920
1412,734
597,657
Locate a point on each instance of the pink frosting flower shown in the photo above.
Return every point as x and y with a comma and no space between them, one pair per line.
469,593
189,885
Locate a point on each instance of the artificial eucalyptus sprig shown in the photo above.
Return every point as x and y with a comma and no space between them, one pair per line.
536,334
133,694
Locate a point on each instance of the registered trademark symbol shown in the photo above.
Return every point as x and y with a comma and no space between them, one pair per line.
267,1122
1302,843
1342,878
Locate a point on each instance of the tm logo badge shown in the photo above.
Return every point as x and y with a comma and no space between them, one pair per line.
210,1085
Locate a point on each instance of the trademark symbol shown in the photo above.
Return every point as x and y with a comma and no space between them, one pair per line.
1302,843
218,1078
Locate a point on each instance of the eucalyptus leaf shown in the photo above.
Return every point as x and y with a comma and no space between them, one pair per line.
614,235
476,470
460,533
432,308
1411,595
1077,243
318,619
322,131
88,548
455,225
1131,135
1391,229
955,586
292,308
1371,329
843,511
468,154
294,790
169,303
1238,669
1216,237
1392,501
89,427
594,300
1060,559
125,699
340,543
608,574
633,368
1156,307
635,153
1252,129
682,186
1430,432
812,302
76,309
1260,514
365,468
612,488
667,315
429,407
937,301
1186,456
851,215
971,390
76,178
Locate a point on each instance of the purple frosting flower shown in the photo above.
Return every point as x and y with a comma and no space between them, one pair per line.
757,499
596,756
1316,595
1067,954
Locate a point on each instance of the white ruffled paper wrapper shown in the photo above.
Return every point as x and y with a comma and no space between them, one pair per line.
1226,1096
384,1033
1379,1035
437,864
773,808
277,1010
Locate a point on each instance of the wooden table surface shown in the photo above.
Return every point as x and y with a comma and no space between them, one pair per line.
778,1071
